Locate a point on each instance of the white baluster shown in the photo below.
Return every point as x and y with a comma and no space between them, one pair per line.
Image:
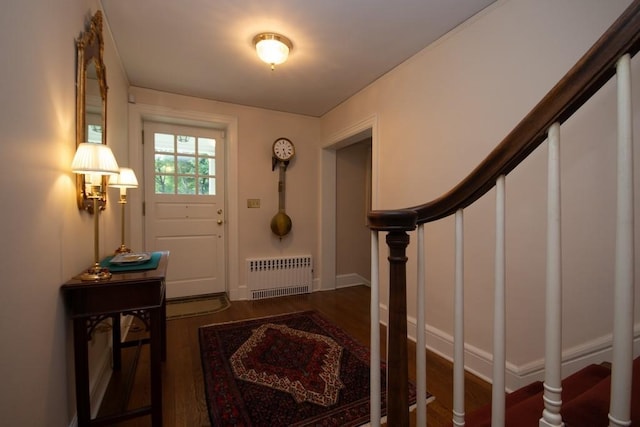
553,324
458,325
375,333
622,364
499,315
421,357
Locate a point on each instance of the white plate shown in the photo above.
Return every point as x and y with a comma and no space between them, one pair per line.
131,258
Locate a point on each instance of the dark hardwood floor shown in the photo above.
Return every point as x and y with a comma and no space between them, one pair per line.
183,391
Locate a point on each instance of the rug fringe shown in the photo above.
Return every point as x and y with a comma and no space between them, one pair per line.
257,318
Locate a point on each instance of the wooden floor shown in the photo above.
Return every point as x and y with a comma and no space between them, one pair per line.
183,390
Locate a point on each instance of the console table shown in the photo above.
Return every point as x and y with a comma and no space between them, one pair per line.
138,293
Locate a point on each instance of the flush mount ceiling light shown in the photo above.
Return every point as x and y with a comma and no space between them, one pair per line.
272,48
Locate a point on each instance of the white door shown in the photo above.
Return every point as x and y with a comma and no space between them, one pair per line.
184,205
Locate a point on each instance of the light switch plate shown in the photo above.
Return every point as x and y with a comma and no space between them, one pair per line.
253,203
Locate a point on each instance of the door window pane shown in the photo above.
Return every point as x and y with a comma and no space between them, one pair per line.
207,147
184,164
208,186
186,185
207,166
187,165
165,164
165,184
163,143
186,144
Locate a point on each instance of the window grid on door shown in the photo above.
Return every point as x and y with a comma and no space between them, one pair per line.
184,164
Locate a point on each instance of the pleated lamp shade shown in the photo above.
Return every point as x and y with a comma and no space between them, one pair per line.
126,179
92,158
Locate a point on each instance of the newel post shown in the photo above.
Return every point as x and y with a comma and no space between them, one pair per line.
398,367
396,223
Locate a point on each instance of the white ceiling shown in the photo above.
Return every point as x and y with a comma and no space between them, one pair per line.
204,48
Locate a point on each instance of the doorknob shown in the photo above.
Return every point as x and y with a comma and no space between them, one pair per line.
220,222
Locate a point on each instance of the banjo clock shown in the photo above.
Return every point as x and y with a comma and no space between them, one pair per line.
283,152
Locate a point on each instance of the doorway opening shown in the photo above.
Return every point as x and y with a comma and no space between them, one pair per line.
353,202
365,130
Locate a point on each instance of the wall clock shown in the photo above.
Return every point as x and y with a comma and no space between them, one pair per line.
283,152
283,149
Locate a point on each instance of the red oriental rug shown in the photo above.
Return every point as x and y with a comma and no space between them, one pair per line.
295,369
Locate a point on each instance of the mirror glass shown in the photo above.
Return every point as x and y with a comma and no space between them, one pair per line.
91,102
93,107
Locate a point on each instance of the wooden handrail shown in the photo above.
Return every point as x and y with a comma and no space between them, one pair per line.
584,79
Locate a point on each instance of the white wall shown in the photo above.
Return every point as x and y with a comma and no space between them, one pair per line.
442,111
45,239
253,178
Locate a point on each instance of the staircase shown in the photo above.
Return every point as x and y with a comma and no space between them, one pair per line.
597,395
585,398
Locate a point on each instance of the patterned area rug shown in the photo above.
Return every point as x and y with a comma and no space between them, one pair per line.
296,369
196,306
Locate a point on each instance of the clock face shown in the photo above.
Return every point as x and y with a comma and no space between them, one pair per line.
283,149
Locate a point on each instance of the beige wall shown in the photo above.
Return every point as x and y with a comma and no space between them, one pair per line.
441,112
45,238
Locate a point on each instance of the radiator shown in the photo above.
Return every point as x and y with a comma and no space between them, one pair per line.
276,277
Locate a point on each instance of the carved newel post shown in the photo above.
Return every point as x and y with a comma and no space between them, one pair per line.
398,378
397,224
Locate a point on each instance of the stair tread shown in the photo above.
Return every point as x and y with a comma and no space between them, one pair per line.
525,405
591,408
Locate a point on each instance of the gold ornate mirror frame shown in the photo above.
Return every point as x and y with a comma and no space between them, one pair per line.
91,99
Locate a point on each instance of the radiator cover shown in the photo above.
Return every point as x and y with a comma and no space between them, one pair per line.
281,276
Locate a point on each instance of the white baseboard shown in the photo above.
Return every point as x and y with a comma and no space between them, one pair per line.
351,279
480,362
238,294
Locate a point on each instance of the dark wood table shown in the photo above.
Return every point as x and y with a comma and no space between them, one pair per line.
137,293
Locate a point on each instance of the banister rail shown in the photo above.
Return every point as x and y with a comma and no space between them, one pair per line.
583,80
588,76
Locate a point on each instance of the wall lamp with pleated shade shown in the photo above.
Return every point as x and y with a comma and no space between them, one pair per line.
95,162
126,179
92,163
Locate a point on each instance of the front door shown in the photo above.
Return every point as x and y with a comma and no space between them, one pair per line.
184,205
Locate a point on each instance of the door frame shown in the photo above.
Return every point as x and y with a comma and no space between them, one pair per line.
354,133
138,113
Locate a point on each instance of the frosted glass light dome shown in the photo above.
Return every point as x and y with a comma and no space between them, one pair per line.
272,48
